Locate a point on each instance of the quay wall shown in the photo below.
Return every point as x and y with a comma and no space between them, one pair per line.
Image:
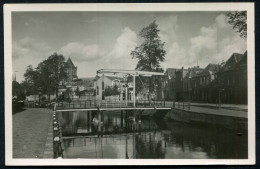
230,122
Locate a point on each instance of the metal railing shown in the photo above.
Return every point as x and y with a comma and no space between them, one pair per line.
182,105
89,104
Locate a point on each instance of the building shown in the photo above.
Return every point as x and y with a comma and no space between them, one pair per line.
216,83
203,85
71,70
232,80
242,81
100,84
179,82
188,82
168,91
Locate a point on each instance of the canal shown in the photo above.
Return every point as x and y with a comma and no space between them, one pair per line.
123,137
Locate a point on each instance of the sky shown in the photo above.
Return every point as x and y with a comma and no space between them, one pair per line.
104,40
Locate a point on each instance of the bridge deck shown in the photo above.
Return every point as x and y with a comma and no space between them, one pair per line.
112,105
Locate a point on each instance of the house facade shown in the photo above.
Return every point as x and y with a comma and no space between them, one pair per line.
188,82
203,84
216,83
168,85
179,84
232,80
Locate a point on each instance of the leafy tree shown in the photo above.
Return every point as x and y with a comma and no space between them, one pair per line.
31,82
52,72
238,19
150,53
77,92
17,91
27,88
111,90
47,75
68,94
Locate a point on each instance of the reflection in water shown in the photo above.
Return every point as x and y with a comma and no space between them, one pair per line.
123,136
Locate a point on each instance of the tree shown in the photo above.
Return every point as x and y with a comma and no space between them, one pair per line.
47,75
52,72
238,19
68,94
31,82
27,88
111,90
77,92
17,91
150,53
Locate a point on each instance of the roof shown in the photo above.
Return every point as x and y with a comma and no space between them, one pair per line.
185,71
113,78
193,72
87,82
243,61
170,72
232,61
109,77
87,78
124,72
210,69
69,63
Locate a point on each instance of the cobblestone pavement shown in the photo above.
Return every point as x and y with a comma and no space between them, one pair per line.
30,130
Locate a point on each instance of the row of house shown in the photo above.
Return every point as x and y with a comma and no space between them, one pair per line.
226,83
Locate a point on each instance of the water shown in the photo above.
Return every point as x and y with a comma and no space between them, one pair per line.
147,138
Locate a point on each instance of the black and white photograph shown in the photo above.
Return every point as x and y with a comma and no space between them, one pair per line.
129,84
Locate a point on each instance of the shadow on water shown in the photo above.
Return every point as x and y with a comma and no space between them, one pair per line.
123,136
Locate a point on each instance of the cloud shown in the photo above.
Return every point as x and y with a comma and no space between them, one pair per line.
120,53
29,48
81,52
175,57
124,44
90,58
168,27
91,20
216,42
28,51
212,44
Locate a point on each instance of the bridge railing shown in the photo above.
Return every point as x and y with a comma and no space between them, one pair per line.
88,104
77,104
